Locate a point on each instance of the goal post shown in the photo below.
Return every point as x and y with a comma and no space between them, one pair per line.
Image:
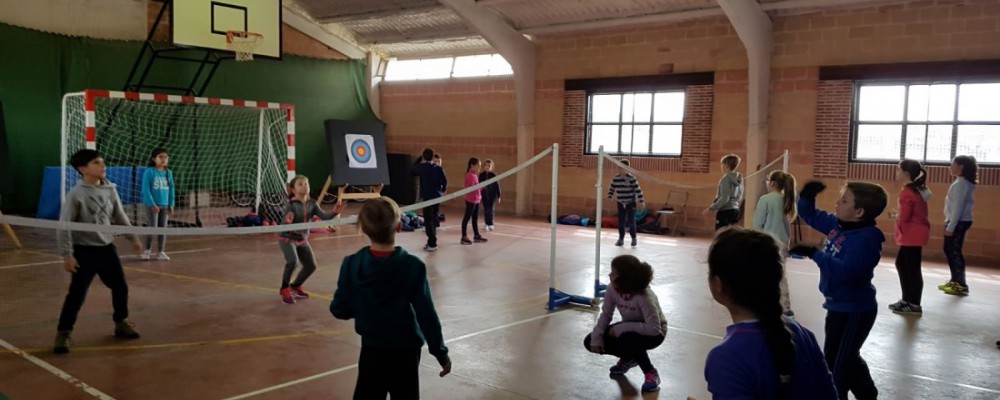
226,156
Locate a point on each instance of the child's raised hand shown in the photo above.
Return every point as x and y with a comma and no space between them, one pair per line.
445,370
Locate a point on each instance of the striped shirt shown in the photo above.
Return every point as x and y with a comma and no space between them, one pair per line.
626,187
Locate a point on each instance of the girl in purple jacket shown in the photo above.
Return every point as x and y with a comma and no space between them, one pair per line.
642,327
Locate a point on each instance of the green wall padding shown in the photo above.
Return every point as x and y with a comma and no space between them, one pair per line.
37,69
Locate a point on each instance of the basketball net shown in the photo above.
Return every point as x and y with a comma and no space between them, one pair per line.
243,43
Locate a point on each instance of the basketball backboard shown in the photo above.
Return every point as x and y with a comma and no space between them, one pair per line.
204,23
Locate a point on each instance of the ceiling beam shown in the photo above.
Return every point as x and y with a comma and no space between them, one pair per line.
489,3
395,12
315,31
615,22
422,36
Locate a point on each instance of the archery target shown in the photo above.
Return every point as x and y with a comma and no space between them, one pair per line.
360,151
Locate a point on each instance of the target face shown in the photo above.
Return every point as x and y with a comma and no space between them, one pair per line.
360,151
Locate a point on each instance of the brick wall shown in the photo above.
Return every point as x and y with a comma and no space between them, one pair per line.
458,118
833,129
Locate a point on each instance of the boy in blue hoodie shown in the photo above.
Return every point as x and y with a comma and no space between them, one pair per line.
847,264
433,184
385,290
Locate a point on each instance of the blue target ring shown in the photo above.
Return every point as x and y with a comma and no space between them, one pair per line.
361,151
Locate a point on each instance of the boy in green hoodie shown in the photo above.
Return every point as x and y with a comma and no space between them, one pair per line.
385,290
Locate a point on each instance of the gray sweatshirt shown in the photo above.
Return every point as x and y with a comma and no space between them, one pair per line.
958,203
93,204
770,217
730,192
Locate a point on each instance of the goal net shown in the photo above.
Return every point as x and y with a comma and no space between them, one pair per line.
227,157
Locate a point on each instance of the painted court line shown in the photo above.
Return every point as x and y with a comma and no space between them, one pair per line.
56,371
352,366
123,257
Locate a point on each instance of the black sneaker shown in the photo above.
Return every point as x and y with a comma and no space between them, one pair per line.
904,307
125,330
620,242
634,243
430,248
479,239
466,241
63,342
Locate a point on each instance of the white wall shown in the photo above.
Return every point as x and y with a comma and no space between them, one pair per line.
105,19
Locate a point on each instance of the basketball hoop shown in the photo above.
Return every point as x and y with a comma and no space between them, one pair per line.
243,43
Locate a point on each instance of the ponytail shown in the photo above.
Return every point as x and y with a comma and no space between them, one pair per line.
917,174
785,182
750,266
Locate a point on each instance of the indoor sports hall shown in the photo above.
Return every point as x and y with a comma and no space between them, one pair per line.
668,199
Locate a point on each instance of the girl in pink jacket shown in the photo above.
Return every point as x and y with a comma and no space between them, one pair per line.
912,231
642,327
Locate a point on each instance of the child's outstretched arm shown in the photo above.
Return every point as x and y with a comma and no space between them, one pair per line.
818,219
317,211
607,311
856,264
342,306
427,318
173,189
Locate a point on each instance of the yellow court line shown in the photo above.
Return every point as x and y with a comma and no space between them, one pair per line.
217,282
226,342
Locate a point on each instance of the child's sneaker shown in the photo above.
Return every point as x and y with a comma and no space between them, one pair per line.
623,366
634,243
63,342
904,307
286,296
125,330
957,290
430,248
298,293
162,257
652,382
466,241
947,285
479,239
145,255
489,228
620,242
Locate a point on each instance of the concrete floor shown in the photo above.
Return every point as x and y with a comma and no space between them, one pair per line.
214,328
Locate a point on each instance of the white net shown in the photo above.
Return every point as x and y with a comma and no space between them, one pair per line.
243,44
226,161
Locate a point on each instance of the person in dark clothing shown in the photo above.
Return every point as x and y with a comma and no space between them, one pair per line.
433,184
491,194
385,290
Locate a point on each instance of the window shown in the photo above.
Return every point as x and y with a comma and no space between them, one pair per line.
635,123
449,67
930,122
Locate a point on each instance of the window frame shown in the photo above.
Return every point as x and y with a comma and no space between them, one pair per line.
588,123
904,123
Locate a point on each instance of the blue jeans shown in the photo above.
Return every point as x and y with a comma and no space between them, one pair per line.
953,250
157,220
626,217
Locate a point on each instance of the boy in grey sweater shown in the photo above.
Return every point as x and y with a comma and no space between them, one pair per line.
87,254
730,195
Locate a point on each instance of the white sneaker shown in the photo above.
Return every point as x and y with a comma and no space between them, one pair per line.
489,228
162,257
145,255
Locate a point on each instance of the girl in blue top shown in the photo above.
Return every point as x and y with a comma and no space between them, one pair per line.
158,196
764,355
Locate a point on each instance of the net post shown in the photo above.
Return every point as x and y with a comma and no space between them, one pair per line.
784,165
62,152
598,288
260,155
552,215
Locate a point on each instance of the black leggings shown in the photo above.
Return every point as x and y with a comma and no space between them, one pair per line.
724,218
471,212
100,261
911,281
629,346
